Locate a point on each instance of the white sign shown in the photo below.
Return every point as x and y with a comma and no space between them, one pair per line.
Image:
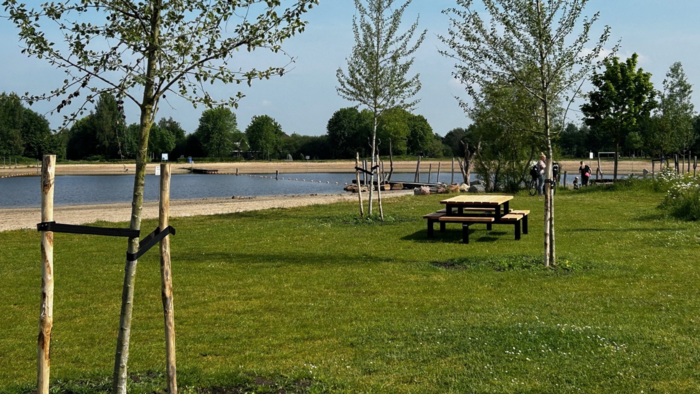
157,170
590,155
164,157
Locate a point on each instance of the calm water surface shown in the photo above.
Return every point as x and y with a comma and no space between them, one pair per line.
23,192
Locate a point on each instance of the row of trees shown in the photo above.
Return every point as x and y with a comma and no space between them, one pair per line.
626,110
103,135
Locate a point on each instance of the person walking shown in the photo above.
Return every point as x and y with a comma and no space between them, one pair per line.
541,168
585,171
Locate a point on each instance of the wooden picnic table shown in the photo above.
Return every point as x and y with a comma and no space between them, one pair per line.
499,204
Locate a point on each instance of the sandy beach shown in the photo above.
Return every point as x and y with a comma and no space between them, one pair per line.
27,218
625,167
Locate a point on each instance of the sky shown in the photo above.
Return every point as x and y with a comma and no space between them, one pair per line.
660,31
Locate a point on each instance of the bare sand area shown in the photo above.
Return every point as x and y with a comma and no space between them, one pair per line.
27,218
625,167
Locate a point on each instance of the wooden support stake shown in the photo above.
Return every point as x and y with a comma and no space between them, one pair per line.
364,165
416,178
695,166
359,186
598,170
166,279
452,181
379,192
48,168
566,174
430,171
437,179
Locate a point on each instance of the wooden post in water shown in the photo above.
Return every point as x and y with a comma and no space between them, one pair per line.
430,171
452,181
359,186
166,279
416,178
437,178
48,168
236,171
277,175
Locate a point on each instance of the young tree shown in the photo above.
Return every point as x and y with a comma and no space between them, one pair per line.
622,99
151,48
377,75
521,38
264,135
677,109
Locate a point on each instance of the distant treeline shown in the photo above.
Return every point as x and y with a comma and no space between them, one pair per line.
103,135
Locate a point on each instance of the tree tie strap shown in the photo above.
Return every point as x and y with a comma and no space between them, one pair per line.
150,241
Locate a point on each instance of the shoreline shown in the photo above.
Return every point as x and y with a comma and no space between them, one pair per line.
624,167
27,218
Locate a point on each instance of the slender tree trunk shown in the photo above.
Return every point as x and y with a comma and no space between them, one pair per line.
46,315
359,186
371,167
166,279
148,110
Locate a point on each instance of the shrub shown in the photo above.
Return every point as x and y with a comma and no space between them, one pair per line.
682,198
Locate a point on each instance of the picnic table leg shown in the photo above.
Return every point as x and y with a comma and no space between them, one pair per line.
524,224
506,208
489,226
448,210
430,228
442,227
517,230
461,210
465,233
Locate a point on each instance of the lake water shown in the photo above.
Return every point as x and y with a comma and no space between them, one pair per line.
23,192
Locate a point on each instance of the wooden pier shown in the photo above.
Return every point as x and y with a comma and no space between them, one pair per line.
203,171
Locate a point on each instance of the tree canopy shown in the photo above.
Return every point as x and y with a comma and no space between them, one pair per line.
265,136
623,97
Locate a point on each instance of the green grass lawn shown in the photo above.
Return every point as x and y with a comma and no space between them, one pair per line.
310,300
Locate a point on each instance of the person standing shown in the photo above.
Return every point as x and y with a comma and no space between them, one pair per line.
541,168
585,171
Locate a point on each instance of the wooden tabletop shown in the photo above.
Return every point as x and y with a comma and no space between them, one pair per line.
469,199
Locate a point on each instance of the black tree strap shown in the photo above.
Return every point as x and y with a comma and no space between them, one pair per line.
87,230
549,181
367,172
150,241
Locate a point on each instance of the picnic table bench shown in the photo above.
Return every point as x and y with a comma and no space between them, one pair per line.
468,210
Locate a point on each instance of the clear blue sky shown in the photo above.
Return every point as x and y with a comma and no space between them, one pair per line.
660,31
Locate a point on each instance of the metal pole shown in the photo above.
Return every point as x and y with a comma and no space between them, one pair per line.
46,317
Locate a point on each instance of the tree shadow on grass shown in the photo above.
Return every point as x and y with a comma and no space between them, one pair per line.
328,257
454,236
615,230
